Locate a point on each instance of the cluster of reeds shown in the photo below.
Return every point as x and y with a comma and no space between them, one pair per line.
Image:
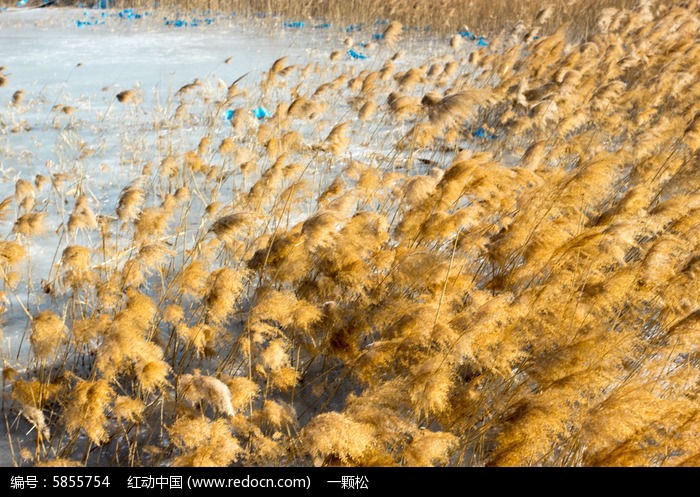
482,17
489,258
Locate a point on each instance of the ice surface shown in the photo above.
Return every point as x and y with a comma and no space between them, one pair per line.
70,64
57,62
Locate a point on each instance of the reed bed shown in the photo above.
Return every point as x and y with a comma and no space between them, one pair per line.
486,18
486,259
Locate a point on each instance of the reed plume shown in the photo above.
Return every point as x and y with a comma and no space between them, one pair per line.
49,332
333,435
392,33
31,225
86,409
199,388
202,442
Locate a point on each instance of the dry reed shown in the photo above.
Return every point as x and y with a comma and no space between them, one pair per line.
496,263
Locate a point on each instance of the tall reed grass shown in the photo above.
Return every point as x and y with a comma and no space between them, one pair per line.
496,264
483,18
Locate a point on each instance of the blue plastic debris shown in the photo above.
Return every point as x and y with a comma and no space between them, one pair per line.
294,24
128,14
352,28
466,34
356,55
177,23
322,26
229,114
21,3
480,41
80,23
378,36
481,133
261,112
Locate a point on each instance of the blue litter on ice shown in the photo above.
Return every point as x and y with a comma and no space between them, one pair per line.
356,55
177,23
481,133
480,41
129,14
261,112
80,23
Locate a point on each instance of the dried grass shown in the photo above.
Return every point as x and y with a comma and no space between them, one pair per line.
490,258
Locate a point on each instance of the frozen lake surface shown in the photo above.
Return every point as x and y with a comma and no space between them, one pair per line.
69,64
60,118
58,63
